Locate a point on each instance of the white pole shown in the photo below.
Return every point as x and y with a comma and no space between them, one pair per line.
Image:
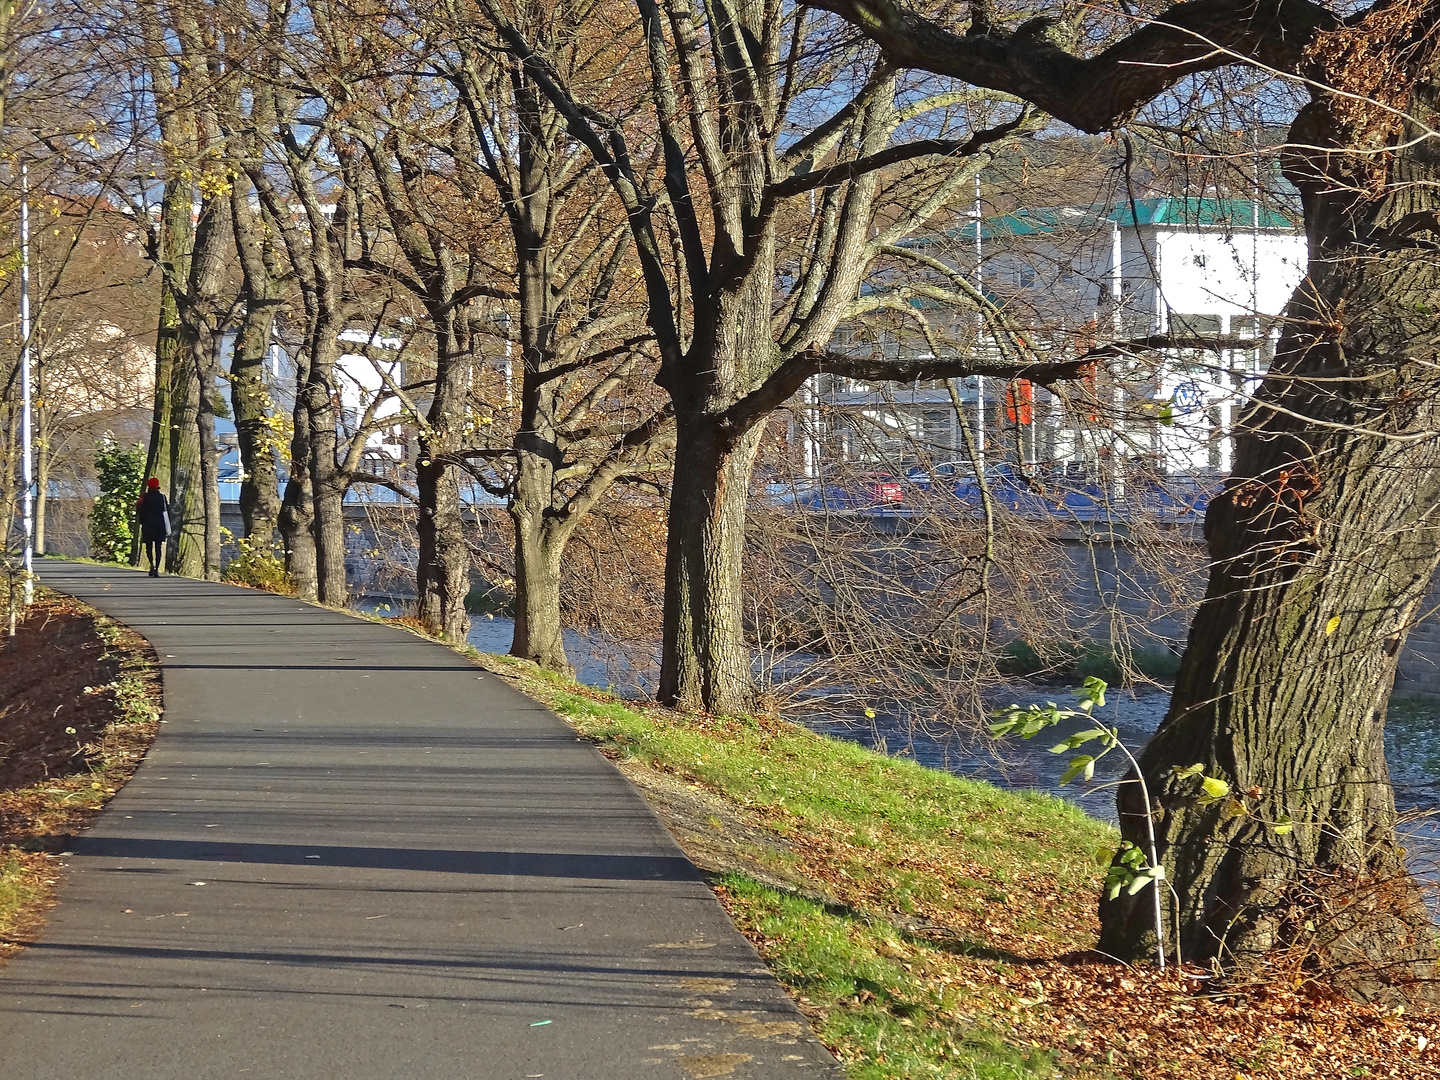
25,438
979,329
1116,280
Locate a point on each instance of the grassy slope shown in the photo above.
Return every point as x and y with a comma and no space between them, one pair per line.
901,905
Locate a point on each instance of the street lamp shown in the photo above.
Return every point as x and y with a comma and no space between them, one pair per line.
25,448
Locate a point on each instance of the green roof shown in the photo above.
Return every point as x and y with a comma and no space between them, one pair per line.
1174,211
1231,213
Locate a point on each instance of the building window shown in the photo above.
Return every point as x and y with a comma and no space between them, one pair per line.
1026,277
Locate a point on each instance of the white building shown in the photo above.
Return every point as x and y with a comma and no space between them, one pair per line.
1072,277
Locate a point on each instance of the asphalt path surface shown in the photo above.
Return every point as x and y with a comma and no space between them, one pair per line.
352,854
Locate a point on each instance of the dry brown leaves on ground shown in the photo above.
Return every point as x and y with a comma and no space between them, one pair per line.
79,707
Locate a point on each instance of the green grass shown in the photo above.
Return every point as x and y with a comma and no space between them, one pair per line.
813,778
883,1019
20,891
882,849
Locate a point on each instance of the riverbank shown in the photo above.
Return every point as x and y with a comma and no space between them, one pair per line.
933,926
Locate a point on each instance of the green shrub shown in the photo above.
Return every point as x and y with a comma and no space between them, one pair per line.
1077,660
1020,658
259,567
120,472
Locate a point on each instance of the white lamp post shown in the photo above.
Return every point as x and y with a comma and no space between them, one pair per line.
25,439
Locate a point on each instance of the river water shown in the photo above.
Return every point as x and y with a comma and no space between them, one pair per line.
1411,747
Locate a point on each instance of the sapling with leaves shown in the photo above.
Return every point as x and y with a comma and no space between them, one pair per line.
1130,868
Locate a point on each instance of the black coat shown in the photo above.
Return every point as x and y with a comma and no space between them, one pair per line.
154,513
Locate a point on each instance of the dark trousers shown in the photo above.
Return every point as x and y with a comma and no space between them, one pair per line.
153,548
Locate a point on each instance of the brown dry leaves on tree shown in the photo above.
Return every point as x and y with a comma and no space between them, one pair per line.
1366,61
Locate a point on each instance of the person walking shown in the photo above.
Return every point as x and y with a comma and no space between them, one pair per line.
154,513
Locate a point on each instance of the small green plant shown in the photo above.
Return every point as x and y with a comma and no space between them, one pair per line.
120,472
259,567
1130,868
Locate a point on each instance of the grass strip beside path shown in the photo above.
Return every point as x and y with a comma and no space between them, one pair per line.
896,902
932,926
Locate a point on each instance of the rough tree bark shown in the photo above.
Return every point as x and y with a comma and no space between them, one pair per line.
1324,545
442,579
322,419
170,245
249,398
297,507
1326,537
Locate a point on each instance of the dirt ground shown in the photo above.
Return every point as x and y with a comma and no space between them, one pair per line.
79,707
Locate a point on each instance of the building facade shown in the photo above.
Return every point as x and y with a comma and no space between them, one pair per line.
1212,274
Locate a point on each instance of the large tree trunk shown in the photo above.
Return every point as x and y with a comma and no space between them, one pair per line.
443,575
328,484
209,459
297,514
1324,544
539,538
186,549
250,402
173,241
538,552
705,656
328,493
249,399
195,453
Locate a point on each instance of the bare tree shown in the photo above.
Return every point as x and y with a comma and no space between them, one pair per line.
721,86
585,420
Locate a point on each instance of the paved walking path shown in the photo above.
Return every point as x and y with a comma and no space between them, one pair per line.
353,855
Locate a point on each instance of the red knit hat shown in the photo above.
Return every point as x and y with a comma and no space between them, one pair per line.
153,483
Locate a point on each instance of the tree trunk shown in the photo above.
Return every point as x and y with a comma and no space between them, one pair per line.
173,241
297,515
42,477
1324,544
538,627
209,459
249,399
259,488
195,454
186,550
328,485
705,656
442,577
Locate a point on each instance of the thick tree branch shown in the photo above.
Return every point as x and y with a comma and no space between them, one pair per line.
894,155
1095,93
790,375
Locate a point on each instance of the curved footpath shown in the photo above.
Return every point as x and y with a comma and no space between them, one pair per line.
353,855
